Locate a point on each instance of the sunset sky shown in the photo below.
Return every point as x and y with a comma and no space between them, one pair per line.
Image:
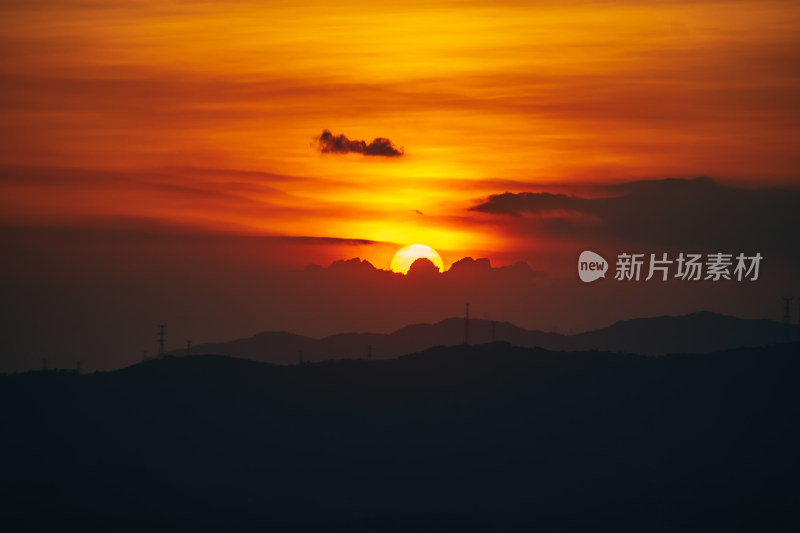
127,124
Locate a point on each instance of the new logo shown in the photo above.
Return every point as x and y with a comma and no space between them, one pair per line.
591,266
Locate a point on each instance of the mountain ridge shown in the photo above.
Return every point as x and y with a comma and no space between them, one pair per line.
489,437
698,332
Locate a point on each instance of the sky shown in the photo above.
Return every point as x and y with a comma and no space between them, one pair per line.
185,162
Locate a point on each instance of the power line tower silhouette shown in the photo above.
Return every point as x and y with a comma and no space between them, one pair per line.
161,338
788,317
466,325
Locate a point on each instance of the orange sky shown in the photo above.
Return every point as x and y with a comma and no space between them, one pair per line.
202,116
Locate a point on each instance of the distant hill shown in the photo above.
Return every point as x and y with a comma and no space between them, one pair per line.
695,333
464,438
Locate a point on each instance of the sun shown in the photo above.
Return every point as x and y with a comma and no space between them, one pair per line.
402,260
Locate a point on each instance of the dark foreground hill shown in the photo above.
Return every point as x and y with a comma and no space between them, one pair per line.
700,332
482,438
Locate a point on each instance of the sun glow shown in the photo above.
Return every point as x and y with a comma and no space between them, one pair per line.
404,257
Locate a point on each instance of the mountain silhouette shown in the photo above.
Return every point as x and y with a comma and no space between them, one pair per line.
700,332
465,438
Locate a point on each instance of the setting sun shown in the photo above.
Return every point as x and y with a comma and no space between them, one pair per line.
404,257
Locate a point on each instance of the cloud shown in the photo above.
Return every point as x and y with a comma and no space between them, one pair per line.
422,266
328,143
699,214
324,240
464,271
529,202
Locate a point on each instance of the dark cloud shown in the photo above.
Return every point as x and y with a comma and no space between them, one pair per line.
423,267
529,202
465,270
131,227
355,264
323,240
470,265
695,213
328,143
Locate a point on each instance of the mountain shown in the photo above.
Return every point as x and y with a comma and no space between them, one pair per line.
463,438
700,332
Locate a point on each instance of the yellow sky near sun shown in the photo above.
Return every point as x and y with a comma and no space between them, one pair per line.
530,92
